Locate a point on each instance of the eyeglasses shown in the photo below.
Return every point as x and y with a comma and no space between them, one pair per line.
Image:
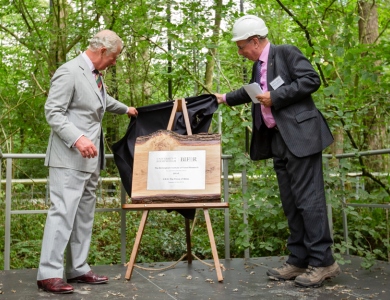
243,46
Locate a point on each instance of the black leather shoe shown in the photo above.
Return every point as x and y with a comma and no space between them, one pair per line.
55,285
89,277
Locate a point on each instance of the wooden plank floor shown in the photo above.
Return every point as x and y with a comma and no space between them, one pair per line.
242,280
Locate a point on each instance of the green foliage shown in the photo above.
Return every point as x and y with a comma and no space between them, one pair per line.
35,40
265,234
267,231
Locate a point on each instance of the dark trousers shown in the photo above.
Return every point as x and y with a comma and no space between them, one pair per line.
301,187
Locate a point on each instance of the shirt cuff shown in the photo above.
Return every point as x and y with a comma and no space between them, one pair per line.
224,99
77,140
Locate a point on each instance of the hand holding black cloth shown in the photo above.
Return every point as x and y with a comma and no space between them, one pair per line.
156,117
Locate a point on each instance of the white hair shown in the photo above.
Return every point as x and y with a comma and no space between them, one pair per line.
106,38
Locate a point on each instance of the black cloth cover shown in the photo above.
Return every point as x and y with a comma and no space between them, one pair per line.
156,117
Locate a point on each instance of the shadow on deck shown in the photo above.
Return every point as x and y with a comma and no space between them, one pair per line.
243,279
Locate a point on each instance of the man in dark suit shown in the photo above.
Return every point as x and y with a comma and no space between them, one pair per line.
288,128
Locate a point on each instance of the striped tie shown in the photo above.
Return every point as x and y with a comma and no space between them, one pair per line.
98,78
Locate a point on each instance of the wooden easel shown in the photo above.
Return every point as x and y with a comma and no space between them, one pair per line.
179,106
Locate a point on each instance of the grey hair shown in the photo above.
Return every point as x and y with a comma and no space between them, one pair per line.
105,38
261,37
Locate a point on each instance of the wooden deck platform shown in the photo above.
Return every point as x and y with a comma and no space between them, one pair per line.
243,279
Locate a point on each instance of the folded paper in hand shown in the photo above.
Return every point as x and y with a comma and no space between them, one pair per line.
253,89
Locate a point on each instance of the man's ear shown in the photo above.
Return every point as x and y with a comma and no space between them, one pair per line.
103,50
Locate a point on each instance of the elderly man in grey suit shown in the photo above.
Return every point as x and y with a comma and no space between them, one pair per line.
288,127
74,109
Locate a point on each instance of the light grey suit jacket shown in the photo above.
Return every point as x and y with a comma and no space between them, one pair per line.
73,108
301,125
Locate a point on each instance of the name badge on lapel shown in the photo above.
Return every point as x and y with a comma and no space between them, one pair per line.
277,82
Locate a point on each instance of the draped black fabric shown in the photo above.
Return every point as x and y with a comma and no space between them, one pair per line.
156,117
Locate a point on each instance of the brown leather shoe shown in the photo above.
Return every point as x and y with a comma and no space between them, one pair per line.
285,272
55,285
89,277
315,276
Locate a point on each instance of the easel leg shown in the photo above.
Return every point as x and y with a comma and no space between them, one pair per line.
188,239
137,242
212,243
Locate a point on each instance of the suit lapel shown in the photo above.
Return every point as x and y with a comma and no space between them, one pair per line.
104,97
271,66
88,76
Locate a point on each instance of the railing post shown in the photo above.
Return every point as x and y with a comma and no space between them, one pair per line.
329,205
330,219
244,183
226,198
7,235
123,226
344,214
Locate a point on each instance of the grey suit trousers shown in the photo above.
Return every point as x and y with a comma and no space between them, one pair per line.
69,223
302,194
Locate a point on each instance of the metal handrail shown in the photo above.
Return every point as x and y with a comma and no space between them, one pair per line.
225,177
9,211
344,201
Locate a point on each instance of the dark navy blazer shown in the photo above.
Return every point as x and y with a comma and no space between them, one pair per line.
302,126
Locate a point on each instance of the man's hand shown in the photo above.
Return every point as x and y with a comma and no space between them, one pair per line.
219,98
132,112
86,147
265,99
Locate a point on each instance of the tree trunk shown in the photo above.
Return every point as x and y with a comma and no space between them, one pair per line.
57,48
212,50
368,34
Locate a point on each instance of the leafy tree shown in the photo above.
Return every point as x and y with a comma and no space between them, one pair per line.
175,49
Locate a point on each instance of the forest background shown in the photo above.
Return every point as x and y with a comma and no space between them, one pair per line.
176,49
